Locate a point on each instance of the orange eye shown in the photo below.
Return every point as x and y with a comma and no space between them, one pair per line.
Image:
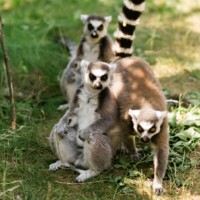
152,129
140,129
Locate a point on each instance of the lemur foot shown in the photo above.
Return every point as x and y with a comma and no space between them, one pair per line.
157,187
58,164
136,156
84,175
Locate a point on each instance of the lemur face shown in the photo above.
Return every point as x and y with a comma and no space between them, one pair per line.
95,27
97,75
147,122
98,78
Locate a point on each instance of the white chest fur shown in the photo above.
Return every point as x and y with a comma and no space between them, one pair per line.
87,110
91,51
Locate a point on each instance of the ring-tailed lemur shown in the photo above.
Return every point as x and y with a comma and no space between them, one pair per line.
95,156
70,80
142,110
139,95
97,107
95,45
94,114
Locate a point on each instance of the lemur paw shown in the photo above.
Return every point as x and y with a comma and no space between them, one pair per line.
158,189
85,133
136,156
54,166
63,107
82,177
85,175
123,151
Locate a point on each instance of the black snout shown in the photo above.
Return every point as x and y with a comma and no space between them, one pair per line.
94,34
145,139
98,87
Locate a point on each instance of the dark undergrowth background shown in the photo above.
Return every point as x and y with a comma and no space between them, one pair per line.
168,38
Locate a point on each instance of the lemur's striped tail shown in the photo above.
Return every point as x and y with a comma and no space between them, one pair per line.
128,20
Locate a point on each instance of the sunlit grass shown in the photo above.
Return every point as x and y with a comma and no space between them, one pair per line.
168,38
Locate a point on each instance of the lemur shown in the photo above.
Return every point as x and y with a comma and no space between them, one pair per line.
70,80
95,45
140,98
97,107
143,110
95,157
93,114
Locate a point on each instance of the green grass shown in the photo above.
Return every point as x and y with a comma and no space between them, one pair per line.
167,38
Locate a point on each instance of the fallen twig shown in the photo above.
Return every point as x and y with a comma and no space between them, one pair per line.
9,76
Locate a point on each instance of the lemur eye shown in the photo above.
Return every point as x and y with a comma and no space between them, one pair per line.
90,27
92,77
104,77
152,129
100,28
140,129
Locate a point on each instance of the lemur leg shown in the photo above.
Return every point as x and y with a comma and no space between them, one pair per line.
58,164
85,174
130,145
80,162
160,165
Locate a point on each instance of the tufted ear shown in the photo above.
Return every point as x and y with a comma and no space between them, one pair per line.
112,67
84,18
84,64
161,114
134,114
108,19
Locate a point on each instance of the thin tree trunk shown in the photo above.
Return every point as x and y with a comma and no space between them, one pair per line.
9,76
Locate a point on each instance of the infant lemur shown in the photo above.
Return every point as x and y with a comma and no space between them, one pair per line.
95,156
95,45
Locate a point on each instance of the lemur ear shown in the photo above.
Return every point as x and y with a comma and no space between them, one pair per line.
84,18
84,64
108,19
134,113
161,114
112,67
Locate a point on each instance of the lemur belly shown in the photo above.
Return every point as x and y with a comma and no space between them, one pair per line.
87,111
91,52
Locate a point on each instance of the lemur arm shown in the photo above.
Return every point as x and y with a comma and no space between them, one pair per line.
108,112
100,126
